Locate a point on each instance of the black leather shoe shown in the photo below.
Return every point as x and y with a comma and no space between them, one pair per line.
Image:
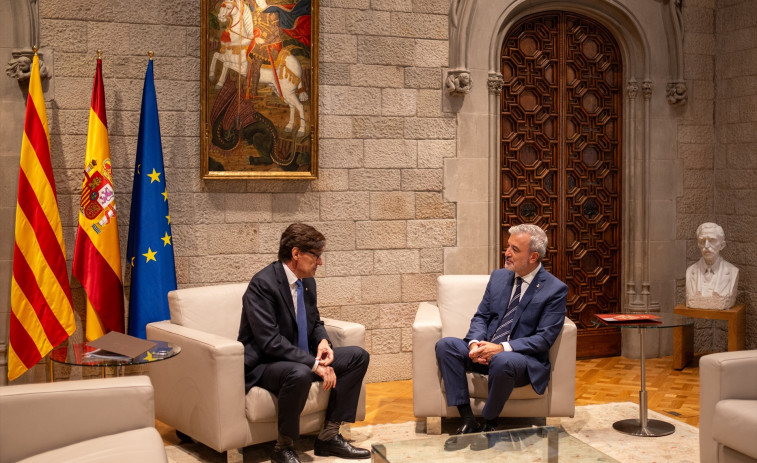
287,455
338,447
468,429
486,427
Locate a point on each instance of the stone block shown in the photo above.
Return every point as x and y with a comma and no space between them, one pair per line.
347,205
432,260
340,153
431,205
332,19
295,207
416,77
366,315
398,102
331,180
347,263
386,341
431,53
392,5
381,234
698,66
368,22
392,51
333,74
431,233
430,103
377,127
366,75
359,4
431,153
334,127
699,20
340,236
435,128
420,25
248,207
399,315
338,290
374,179
338,48
392,205
379,289
204,270
215,239
418,287
407,339
422,179
66,35
390,367
340,100
394,261
390,153
431,6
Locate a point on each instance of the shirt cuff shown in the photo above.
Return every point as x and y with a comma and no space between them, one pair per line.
506,345
315,365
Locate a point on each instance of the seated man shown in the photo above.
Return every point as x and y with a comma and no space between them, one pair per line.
518,320
286,347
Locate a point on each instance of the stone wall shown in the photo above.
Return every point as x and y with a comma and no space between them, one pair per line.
735,157
383,135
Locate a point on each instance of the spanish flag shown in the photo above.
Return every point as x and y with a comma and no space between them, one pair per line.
42,314
97,256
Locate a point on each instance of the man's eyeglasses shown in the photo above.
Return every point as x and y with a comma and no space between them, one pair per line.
317,256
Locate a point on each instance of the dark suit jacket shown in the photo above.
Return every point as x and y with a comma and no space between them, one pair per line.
537,322
268,328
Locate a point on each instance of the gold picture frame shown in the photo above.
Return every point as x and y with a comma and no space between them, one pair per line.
259,121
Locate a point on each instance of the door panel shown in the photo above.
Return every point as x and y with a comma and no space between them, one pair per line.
561,160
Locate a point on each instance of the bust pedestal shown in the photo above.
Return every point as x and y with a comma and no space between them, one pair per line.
683,337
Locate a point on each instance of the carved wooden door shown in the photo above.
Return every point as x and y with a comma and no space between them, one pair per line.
561,159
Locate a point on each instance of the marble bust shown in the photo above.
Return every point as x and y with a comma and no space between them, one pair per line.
711,282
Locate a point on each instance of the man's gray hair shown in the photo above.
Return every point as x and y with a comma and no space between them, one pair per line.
538,241
718,229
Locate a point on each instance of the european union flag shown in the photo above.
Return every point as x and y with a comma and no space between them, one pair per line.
150,246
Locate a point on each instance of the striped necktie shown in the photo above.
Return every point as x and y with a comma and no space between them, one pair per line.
505,325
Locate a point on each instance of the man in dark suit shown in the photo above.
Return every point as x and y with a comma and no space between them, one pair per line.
518,320
286,347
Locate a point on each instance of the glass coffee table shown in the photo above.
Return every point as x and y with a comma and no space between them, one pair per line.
536,444
80,354
644,426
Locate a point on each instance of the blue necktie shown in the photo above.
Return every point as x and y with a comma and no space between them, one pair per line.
505,325
302,319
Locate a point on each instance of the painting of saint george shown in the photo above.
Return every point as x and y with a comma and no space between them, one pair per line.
259,89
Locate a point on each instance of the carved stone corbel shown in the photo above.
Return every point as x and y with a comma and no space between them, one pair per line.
458,82
19,67
676,91
495,83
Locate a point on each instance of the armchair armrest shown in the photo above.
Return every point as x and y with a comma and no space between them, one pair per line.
725,375
201,391
36,418
427,330
343,333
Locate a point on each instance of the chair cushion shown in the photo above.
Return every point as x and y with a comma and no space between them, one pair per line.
143,445
458,297
213,309
261,405
735,425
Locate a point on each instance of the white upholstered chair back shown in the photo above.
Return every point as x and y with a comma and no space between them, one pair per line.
458,297
215,309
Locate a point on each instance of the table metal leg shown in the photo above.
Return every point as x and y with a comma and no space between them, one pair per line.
643,426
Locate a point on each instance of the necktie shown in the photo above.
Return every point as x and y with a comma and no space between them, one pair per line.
302,319
505,325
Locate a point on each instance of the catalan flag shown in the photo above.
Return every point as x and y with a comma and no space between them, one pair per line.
97,256
150,247
42,314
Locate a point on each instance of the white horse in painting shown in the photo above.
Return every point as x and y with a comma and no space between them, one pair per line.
233,55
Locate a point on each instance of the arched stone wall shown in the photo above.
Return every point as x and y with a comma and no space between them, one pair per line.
644,31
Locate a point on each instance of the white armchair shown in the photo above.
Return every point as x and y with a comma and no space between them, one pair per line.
728,407
201,391
94,420
458,297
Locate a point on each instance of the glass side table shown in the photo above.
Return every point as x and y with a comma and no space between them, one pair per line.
644,426
80,354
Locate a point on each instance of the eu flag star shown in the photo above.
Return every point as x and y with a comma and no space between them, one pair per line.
165,195
150,255
166,239
154,176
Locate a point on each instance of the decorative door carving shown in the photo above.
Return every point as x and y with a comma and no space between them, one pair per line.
561,159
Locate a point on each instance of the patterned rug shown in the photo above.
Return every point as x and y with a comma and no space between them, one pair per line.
592,425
